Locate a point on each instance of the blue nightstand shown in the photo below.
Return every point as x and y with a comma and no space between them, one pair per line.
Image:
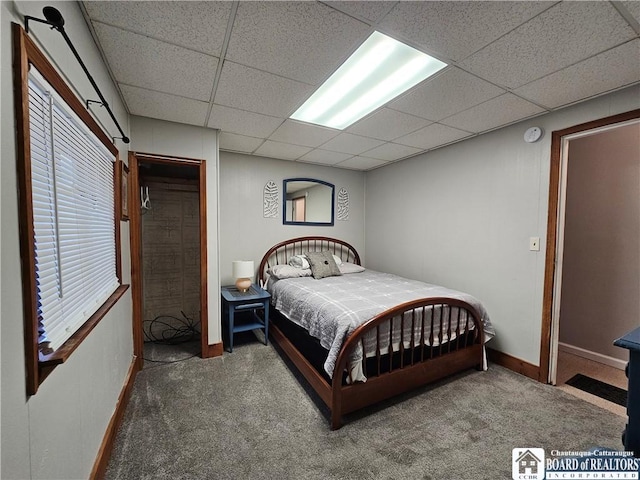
235,301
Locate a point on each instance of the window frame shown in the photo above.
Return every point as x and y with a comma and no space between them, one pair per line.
26,53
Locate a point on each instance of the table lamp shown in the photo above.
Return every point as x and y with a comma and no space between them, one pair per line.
242,272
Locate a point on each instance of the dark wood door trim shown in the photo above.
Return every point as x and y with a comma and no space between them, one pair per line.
552,226
136,247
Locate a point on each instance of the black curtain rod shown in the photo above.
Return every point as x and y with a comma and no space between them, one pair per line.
55,20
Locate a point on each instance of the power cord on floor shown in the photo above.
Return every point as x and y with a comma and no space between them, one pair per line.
176,331
172,334
166,362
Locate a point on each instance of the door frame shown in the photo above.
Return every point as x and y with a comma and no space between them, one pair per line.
135,236
555,235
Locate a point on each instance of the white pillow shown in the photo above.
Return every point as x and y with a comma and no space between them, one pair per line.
350,268
287,271
299,261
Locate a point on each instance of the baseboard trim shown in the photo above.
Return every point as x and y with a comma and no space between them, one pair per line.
214,350
104,453
513,363
589,355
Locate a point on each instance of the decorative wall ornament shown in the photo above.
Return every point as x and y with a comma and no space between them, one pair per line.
343,204
271,199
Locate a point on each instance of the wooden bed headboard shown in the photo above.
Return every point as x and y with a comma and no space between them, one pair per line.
281,253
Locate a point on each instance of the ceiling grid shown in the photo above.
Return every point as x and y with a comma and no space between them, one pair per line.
245,67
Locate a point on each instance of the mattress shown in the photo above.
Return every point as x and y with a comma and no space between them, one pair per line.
330,309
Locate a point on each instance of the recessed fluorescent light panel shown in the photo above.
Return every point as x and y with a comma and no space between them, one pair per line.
378,71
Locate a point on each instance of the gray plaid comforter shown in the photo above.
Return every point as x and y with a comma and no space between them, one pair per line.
330,309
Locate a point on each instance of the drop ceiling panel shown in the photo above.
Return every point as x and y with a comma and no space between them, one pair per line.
148,103
198,26
305,41
261,92
610,70
361,163
285,151
449,92
370,11
493,113
633,8
387,124
353,144
433,136
455,30
242,122
305,134
144,62
238,143
561,36
324,157
391,151
509,56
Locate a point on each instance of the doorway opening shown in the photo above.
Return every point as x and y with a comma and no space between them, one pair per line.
564,232
168,258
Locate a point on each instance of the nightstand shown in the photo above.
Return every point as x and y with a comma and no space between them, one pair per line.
235,301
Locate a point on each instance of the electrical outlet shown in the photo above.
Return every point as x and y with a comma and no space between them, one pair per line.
534,244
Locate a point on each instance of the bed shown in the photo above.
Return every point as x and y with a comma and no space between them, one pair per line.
360,336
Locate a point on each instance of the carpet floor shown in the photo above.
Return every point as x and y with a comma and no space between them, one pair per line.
245,415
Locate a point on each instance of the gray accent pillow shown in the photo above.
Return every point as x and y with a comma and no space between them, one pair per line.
323,265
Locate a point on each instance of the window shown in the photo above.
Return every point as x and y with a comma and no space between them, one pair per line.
72,190
68,196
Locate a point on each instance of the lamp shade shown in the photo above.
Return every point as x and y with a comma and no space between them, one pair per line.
243,269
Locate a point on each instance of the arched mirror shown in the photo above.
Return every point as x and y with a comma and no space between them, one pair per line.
308,201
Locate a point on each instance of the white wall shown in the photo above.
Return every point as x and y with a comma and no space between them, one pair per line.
462,215
168,138
244,232
57,432
601,260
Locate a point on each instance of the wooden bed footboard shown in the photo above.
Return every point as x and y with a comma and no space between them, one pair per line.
444,336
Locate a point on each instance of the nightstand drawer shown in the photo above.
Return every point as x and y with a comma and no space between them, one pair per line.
250,306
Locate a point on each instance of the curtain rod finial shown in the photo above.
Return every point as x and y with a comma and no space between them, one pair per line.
54,17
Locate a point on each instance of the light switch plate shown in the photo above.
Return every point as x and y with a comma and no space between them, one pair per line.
534,244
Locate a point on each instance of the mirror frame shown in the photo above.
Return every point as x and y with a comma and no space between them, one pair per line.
314,180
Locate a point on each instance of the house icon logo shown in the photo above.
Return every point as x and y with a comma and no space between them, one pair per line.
528,463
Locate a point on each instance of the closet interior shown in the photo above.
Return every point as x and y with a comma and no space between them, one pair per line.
170,245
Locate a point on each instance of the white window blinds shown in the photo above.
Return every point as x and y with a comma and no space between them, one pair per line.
72,181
